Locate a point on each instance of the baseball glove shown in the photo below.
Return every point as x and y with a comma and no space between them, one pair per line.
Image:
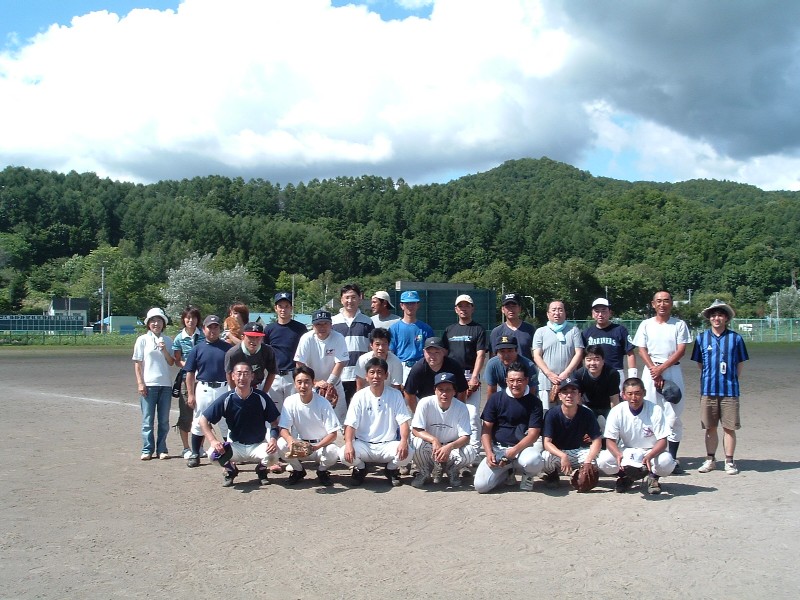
553,394
331,395
635,473
586,477
299,449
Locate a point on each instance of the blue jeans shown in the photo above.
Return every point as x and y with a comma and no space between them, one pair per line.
159,398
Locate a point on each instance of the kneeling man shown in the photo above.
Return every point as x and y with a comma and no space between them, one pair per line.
441,428
252,425
512,421
636,441
376,418
565,428
309,417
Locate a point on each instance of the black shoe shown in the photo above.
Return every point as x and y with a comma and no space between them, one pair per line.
678,470
393,475
623,484
227,480
357,478
263,475
552,479
324,478
193,461
296,477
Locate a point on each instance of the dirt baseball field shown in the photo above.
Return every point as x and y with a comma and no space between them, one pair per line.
83,517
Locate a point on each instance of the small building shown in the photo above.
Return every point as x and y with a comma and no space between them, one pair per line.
70,307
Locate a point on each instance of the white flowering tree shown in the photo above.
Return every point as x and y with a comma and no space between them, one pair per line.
195,283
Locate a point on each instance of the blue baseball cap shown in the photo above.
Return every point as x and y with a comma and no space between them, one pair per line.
444,378
283,296
320,316
409,296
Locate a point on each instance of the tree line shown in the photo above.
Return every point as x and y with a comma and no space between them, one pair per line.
540,227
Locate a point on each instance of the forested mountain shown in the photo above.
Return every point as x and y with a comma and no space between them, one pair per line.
538,226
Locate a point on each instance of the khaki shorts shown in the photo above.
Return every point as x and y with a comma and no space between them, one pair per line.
716,409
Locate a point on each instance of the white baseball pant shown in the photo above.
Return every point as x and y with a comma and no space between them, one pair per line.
529,461
384,453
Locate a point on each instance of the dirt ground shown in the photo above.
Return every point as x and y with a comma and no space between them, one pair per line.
85,518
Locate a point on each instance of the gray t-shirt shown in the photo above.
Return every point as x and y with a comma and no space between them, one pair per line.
556,354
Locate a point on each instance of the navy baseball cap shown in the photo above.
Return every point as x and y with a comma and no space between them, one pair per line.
671,392
444,378
433,342
320,316
210,320
283,296
506,341
409,297
253,328
570,382
512,297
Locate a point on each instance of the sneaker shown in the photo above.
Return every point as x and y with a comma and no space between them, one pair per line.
709,465
146,456
358,476
187,452
653,486
437,472
203,453
163,456
623,484
731,468
324,478
406,470
393,475
678,470
263,475
419,479
526,483
552,479
193,461
296,477
511,478
454,475
229,476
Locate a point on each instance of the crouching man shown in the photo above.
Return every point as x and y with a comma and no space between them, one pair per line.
441,428
375,416
512,421
636,441
252,425
308,417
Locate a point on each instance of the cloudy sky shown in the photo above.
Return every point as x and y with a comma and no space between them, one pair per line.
427,90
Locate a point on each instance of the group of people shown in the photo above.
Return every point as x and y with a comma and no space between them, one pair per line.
401,397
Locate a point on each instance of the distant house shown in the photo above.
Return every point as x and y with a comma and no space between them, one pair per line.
76,307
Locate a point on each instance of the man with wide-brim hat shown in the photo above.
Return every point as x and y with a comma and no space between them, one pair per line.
720,353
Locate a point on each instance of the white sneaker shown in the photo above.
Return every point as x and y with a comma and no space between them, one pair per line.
163,456
709,465
146,456
731,468
187,452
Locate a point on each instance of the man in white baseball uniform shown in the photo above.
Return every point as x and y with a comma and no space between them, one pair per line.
661,341
376,418
309,417
441,427
325,352
636,441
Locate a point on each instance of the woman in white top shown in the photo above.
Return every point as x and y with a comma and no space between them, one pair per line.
152,359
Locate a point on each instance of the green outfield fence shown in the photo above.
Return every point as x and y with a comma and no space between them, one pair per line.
752,330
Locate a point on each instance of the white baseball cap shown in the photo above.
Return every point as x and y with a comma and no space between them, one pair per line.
600,302
381,295
464,298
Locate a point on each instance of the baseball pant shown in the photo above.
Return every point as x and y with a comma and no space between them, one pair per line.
672,412
384,453
552,463
282,387
529,461
473,403
325,457
423,456
250,453
661,466
204,396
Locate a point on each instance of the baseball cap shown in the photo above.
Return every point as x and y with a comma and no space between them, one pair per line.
464,298
282,296
320,316
155,312
600,302
506,341
671,392
444,378
210,320
409,296
253,329
512,297
381,295
570,382
433,342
